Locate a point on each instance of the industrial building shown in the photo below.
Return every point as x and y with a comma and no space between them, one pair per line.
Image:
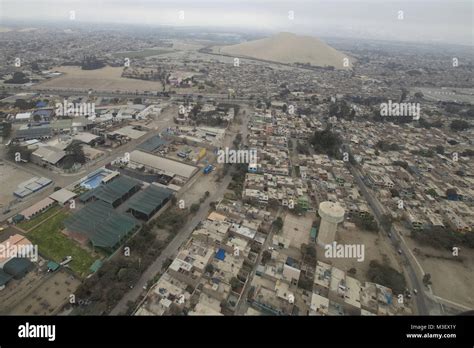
30,186
37,208
162,165
114,192
152,144
99,224
18,267
147,202
42,132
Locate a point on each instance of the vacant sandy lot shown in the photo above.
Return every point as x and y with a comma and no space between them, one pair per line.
49,297
374,249
105,79
297,229
10,177
451,280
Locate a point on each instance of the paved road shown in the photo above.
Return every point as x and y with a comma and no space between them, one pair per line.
378,210
171,250
183,235
222,97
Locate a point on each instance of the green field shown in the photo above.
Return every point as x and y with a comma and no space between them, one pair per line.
27,224
55,246
141,54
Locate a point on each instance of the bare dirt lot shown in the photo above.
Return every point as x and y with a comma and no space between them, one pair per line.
451,280
297,229
374,249
49,297
10,177
105,79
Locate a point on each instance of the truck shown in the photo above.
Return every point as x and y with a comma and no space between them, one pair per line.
208,169
66,260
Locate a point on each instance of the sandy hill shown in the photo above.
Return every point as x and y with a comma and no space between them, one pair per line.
289,48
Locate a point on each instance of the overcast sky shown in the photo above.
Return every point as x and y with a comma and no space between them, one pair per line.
449,21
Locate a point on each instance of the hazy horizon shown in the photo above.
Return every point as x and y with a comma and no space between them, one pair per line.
441,21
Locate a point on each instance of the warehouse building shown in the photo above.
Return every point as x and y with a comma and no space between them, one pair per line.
147,202
30,186
47,155
42,132
18,267
152,144
162,165
37,208
113,193
99,224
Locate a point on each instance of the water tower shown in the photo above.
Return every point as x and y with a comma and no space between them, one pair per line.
331,214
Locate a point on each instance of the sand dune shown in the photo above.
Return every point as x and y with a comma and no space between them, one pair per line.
290,48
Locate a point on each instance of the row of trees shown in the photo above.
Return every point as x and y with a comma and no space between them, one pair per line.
327,142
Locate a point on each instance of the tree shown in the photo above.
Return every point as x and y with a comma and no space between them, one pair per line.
326,142
209,268
76,153
459,125
266,256
302,149
394,192
194,207
34,66
278,224
439,149
386,276
234,283
309,252
18,78
366,223
419,95
386,222
427,279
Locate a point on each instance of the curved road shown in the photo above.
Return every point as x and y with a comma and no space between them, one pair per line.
420,298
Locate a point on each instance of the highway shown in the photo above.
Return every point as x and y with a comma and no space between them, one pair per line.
407,262
220,97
